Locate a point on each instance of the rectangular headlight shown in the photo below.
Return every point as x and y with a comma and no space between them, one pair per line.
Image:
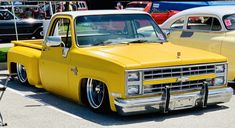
220,68
221,71
218,81
133,89
133,76
133,83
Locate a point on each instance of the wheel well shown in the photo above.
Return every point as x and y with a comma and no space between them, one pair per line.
83,90
13,67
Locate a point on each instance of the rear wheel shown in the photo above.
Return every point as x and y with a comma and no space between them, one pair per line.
21,73
38,34
97,96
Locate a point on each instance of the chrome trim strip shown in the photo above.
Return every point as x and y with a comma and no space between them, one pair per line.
22,34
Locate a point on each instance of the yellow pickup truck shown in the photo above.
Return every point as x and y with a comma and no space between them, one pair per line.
107,61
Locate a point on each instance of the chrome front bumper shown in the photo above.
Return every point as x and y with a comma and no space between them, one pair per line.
173,102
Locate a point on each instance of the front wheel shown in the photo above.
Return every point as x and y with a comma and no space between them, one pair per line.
21,73
97,96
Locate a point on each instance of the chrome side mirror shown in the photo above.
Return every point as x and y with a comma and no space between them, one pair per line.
53,41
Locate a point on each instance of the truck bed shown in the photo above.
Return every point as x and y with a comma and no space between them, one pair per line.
36,44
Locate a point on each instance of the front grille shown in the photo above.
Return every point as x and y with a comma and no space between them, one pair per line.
177,86
176,72
179,71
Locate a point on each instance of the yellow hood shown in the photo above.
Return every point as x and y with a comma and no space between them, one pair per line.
147,55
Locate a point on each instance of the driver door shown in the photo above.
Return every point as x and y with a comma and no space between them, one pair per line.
54,62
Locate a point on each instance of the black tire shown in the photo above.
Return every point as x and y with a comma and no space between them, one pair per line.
97,96
38,34
21,74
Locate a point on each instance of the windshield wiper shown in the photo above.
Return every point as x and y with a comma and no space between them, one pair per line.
100,43
103,43
124,42
138,41
109,42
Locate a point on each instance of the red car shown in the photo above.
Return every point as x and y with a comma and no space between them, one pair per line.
158,15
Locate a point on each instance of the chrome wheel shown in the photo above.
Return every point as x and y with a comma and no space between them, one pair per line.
21,73
95,93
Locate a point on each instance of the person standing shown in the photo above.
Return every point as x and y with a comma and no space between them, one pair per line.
119,6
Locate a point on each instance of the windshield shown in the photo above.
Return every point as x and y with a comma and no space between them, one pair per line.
229,21
110,29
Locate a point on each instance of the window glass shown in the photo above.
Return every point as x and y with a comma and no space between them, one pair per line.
62,29
203,23
136,5
80,5
229,21
5,15
216,25
178,24
83,5
92,30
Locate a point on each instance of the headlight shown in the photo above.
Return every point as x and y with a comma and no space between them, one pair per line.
218,81
220,68
134,83
221,71
133,76
133,89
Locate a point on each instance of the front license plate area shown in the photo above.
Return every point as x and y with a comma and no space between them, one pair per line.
184,103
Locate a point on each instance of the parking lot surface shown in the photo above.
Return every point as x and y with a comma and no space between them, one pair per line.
29,107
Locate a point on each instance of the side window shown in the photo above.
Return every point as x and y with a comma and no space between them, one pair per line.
216,25
178,24
1,15
203,23
5,15
62,29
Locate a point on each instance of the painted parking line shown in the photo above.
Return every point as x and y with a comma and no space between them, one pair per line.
45,104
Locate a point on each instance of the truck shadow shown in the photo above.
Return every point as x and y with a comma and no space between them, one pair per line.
81,111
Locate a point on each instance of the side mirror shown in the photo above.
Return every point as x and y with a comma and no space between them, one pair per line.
53,41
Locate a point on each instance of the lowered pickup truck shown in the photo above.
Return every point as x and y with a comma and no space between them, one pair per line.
106,60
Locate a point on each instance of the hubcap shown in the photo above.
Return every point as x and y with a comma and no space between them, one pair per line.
95,93
21,72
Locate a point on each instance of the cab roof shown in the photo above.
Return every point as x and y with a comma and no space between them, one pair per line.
214,10
99,12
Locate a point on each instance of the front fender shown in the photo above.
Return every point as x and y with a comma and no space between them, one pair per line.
108,72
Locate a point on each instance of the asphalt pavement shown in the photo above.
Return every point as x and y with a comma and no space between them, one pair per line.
29,107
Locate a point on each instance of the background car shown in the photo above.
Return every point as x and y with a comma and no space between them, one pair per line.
210,28
27,28
158,15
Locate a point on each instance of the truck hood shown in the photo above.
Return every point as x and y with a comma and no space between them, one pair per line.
147,55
